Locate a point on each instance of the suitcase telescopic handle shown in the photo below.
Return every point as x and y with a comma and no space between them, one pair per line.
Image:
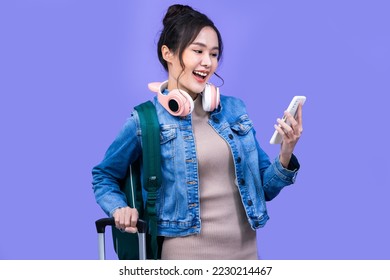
102,223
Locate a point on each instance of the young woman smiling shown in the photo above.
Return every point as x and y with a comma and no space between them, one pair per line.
216,178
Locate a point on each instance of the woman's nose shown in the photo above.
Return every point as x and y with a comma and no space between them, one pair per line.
206,60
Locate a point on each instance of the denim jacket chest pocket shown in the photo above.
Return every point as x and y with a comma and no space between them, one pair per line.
168,135
243,129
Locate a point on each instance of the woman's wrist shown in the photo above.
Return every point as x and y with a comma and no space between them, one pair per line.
284,160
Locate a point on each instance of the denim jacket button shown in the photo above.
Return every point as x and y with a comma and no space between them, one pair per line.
250,203
230,136
238,160
215,119
242,182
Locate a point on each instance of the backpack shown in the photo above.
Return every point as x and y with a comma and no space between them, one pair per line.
135,188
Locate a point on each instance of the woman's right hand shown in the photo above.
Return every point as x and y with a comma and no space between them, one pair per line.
126,219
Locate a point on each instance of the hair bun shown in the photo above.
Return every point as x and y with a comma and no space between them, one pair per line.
174,11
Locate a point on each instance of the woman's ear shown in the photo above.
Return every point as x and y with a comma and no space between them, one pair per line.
166,53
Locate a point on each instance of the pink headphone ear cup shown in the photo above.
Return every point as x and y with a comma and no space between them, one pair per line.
210,98
176,102
217,98
180,103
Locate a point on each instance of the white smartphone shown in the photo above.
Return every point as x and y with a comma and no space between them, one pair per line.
292,109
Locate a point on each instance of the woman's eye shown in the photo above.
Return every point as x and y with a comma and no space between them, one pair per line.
198,51
214,55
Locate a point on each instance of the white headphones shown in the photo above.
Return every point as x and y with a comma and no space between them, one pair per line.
179,103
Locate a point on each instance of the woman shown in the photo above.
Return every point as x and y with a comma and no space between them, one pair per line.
216,178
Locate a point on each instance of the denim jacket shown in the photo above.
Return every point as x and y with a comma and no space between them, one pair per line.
177,204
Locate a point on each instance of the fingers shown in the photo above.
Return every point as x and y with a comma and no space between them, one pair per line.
132,228
126,219
297,122
284,128
289,127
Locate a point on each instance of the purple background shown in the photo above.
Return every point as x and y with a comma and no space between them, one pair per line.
71,72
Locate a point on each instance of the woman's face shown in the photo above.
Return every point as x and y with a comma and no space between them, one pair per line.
200,60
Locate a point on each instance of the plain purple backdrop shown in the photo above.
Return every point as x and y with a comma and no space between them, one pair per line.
71,72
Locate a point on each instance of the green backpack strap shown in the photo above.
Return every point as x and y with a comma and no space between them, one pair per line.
126,244
151,165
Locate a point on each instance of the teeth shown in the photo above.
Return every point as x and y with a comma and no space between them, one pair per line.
200,73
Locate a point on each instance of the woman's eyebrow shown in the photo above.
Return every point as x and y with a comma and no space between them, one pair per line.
204,45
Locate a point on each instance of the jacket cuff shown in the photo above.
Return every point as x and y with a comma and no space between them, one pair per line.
290,173
110,203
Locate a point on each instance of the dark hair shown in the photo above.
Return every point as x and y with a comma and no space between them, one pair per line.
182,25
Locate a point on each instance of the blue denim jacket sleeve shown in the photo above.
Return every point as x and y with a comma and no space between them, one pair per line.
109,173
274,176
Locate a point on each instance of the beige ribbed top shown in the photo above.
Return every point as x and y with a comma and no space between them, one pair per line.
225,231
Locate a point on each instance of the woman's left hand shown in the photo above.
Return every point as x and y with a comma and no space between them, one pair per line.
290,133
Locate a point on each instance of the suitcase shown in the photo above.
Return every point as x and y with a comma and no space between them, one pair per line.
101,226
